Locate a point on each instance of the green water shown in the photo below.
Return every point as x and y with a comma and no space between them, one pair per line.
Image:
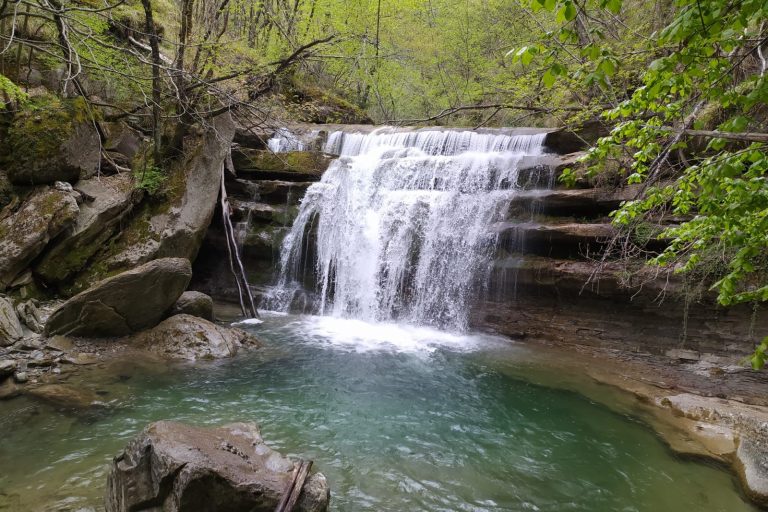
398,419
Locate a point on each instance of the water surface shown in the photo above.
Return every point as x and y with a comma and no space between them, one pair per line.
398,418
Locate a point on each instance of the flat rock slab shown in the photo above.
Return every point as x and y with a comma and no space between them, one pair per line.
172,467
191,338
129,302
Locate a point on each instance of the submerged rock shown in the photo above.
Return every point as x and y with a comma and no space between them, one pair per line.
64,396
189,337
172,467
129,302
25,233
195,304
10,327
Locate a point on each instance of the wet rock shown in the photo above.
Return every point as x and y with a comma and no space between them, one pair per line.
66,397
129,302
8,389
25,233
10,327
179,468
194,304
189,337
21,377
752,466
7,367
110,199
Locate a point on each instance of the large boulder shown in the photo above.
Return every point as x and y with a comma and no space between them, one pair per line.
25,233
171,467
58,143
174,224
128,302
189,337
10,327
195,304
108,200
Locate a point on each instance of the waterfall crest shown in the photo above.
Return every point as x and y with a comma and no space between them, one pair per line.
400,226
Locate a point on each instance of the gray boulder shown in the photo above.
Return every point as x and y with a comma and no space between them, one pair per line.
110,199
128,302
195,304
10,327
174,228
171,467
25,233
189,337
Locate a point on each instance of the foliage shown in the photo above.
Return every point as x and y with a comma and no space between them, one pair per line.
719,187
10,93
151,180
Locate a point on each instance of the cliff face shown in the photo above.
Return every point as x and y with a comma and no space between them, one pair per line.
548,282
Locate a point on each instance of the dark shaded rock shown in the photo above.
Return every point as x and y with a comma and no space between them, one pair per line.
121,139
30,315
190,337
111,199
195,304
10,327
562,240
291,166
178,468
25,233
252,138
129,302
570,140
569,202
7,367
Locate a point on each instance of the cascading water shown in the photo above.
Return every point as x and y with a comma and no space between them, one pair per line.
400,226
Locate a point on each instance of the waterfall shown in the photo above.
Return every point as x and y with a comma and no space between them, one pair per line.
400,226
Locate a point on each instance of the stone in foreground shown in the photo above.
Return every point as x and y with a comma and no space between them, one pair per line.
120,305
191,338
172,467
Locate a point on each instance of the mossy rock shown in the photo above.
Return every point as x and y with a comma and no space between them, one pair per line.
312,104
50,140
291,166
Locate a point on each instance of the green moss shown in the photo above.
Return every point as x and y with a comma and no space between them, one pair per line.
40,127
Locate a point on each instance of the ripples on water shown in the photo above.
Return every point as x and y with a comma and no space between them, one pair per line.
399,418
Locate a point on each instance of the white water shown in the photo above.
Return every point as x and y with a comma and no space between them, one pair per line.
399,227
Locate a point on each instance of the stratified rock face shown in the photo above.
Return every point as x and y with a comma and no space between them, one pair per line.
25,233
111,199
189,337
129,302
10,327
194,303
171,467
